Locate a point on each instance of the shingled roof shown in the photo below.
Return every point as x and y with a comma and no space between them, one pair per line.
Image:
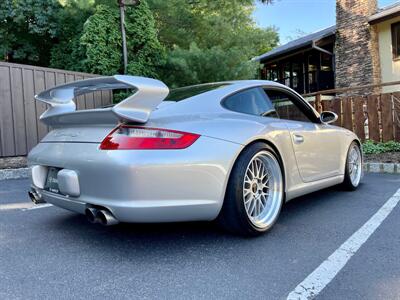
385,13
302,42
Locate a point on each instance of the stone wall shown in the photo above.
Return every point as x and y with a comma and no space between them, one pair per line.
357,47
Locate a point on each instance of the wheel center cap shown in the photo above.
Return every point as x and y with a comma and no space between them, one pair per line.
254,188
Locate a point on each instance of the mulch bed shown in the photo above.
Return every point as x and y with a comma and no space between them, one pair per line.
389,157
13,162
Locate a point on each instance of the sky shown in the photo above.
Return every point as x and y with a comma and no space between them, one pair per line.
294,18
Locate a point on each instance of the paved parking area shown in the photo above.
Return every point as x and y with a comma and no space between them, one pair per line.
50,253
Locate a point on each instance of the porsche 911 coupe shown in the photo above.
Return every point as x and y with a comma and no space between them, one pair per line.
229,151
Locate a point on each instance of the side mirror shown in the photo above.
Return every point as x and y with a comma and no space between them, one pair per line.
328,117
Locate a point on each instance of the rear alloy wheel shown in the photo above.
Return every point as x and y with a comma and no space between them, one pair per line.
353,171
255,192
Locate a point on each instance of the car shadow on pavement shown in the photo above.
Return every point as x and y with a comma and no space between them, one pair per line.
190,232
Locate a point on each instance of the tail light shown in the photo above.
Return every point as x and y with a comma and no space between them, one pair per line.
131,137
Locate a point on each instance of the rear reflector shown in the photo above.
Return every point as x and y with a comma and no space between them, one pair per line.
130,137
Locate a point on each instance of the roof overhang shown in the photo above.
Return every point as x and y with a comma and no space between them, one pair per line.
385,15
300,45
286,53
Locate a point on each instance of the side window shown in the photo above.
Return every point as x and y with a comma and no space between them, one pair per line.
286,106
252,101
396,40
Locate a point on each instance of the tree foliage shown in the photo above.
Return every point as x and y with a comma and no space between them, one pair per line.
204,30
209,23
179,41
196,65
28,29
67,53
99,46
101,42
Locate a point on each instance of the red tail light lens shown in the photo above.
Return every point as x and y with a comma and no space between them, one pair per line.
131,137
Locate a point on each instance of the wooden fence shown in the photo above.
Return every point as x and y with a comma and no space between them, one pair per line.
373,117
20,129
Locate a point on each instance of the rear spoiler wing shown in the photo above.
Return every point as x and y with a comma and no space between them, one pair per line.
137,107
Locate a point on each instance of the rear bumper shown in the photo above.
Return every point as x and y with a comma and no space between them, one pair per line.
144,185
144,212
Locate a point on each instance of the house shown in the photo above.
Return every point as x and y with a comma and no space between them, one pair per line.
363,48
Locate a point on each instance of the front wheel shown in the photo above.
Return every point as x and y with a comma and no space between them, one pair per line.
353,170
255,191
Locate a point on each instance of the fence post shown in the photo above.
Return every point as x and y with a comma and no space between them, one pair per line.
373,118
318,104
387,117
359,117
347,113
396,115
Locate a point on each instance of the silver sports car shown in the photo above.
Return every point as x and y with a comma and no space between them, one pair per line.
231,151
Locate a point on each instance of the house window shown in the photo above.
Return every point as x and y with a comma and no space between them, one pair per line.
396,40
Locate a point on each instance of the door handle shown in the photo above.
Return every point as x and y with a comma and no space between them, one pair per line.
298,139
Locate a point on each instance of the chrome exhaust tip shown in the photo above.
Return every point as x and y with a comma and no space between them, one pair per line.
35,197
91,215
106,218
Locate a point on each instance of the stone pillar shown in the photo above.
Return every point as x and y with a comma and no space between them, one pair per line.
357,47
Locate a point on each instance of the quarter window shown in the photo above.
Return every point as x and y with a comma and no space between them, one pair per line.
252,101
396,40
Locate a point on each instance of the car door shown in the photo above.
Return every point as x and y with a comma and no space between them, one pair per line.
316,146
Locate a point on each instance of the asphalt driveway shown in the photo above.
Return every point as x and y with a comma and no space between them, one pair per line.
51,253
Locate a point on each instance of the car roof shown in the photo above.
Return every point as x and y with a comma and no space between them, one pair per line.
210,101
229,87
226,88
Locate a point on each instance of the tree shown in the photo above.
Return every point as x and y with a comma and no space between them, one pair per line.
189,28
196,65
206,22
100,42
66,52
203,39
145,52
28,29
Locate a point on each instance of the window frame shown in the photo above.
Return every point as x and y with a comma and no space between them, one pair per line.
395,28
303,105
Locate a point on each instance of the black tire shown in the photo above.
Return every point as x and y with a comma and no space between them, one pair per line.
233,216
348,184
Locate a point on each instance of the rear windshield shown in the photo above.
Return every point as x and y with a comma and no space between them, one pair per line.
174,95
190,91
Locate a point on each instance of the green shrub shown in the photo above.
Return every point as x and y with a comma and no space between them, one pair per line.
392,146
370,147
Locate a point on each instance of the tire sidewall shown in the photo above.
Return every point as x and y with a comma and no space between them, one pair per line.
235,187
347,180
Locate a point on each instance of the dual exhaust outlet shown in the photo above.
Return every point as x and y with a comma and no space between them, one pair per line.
35,197
102,216
94,215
